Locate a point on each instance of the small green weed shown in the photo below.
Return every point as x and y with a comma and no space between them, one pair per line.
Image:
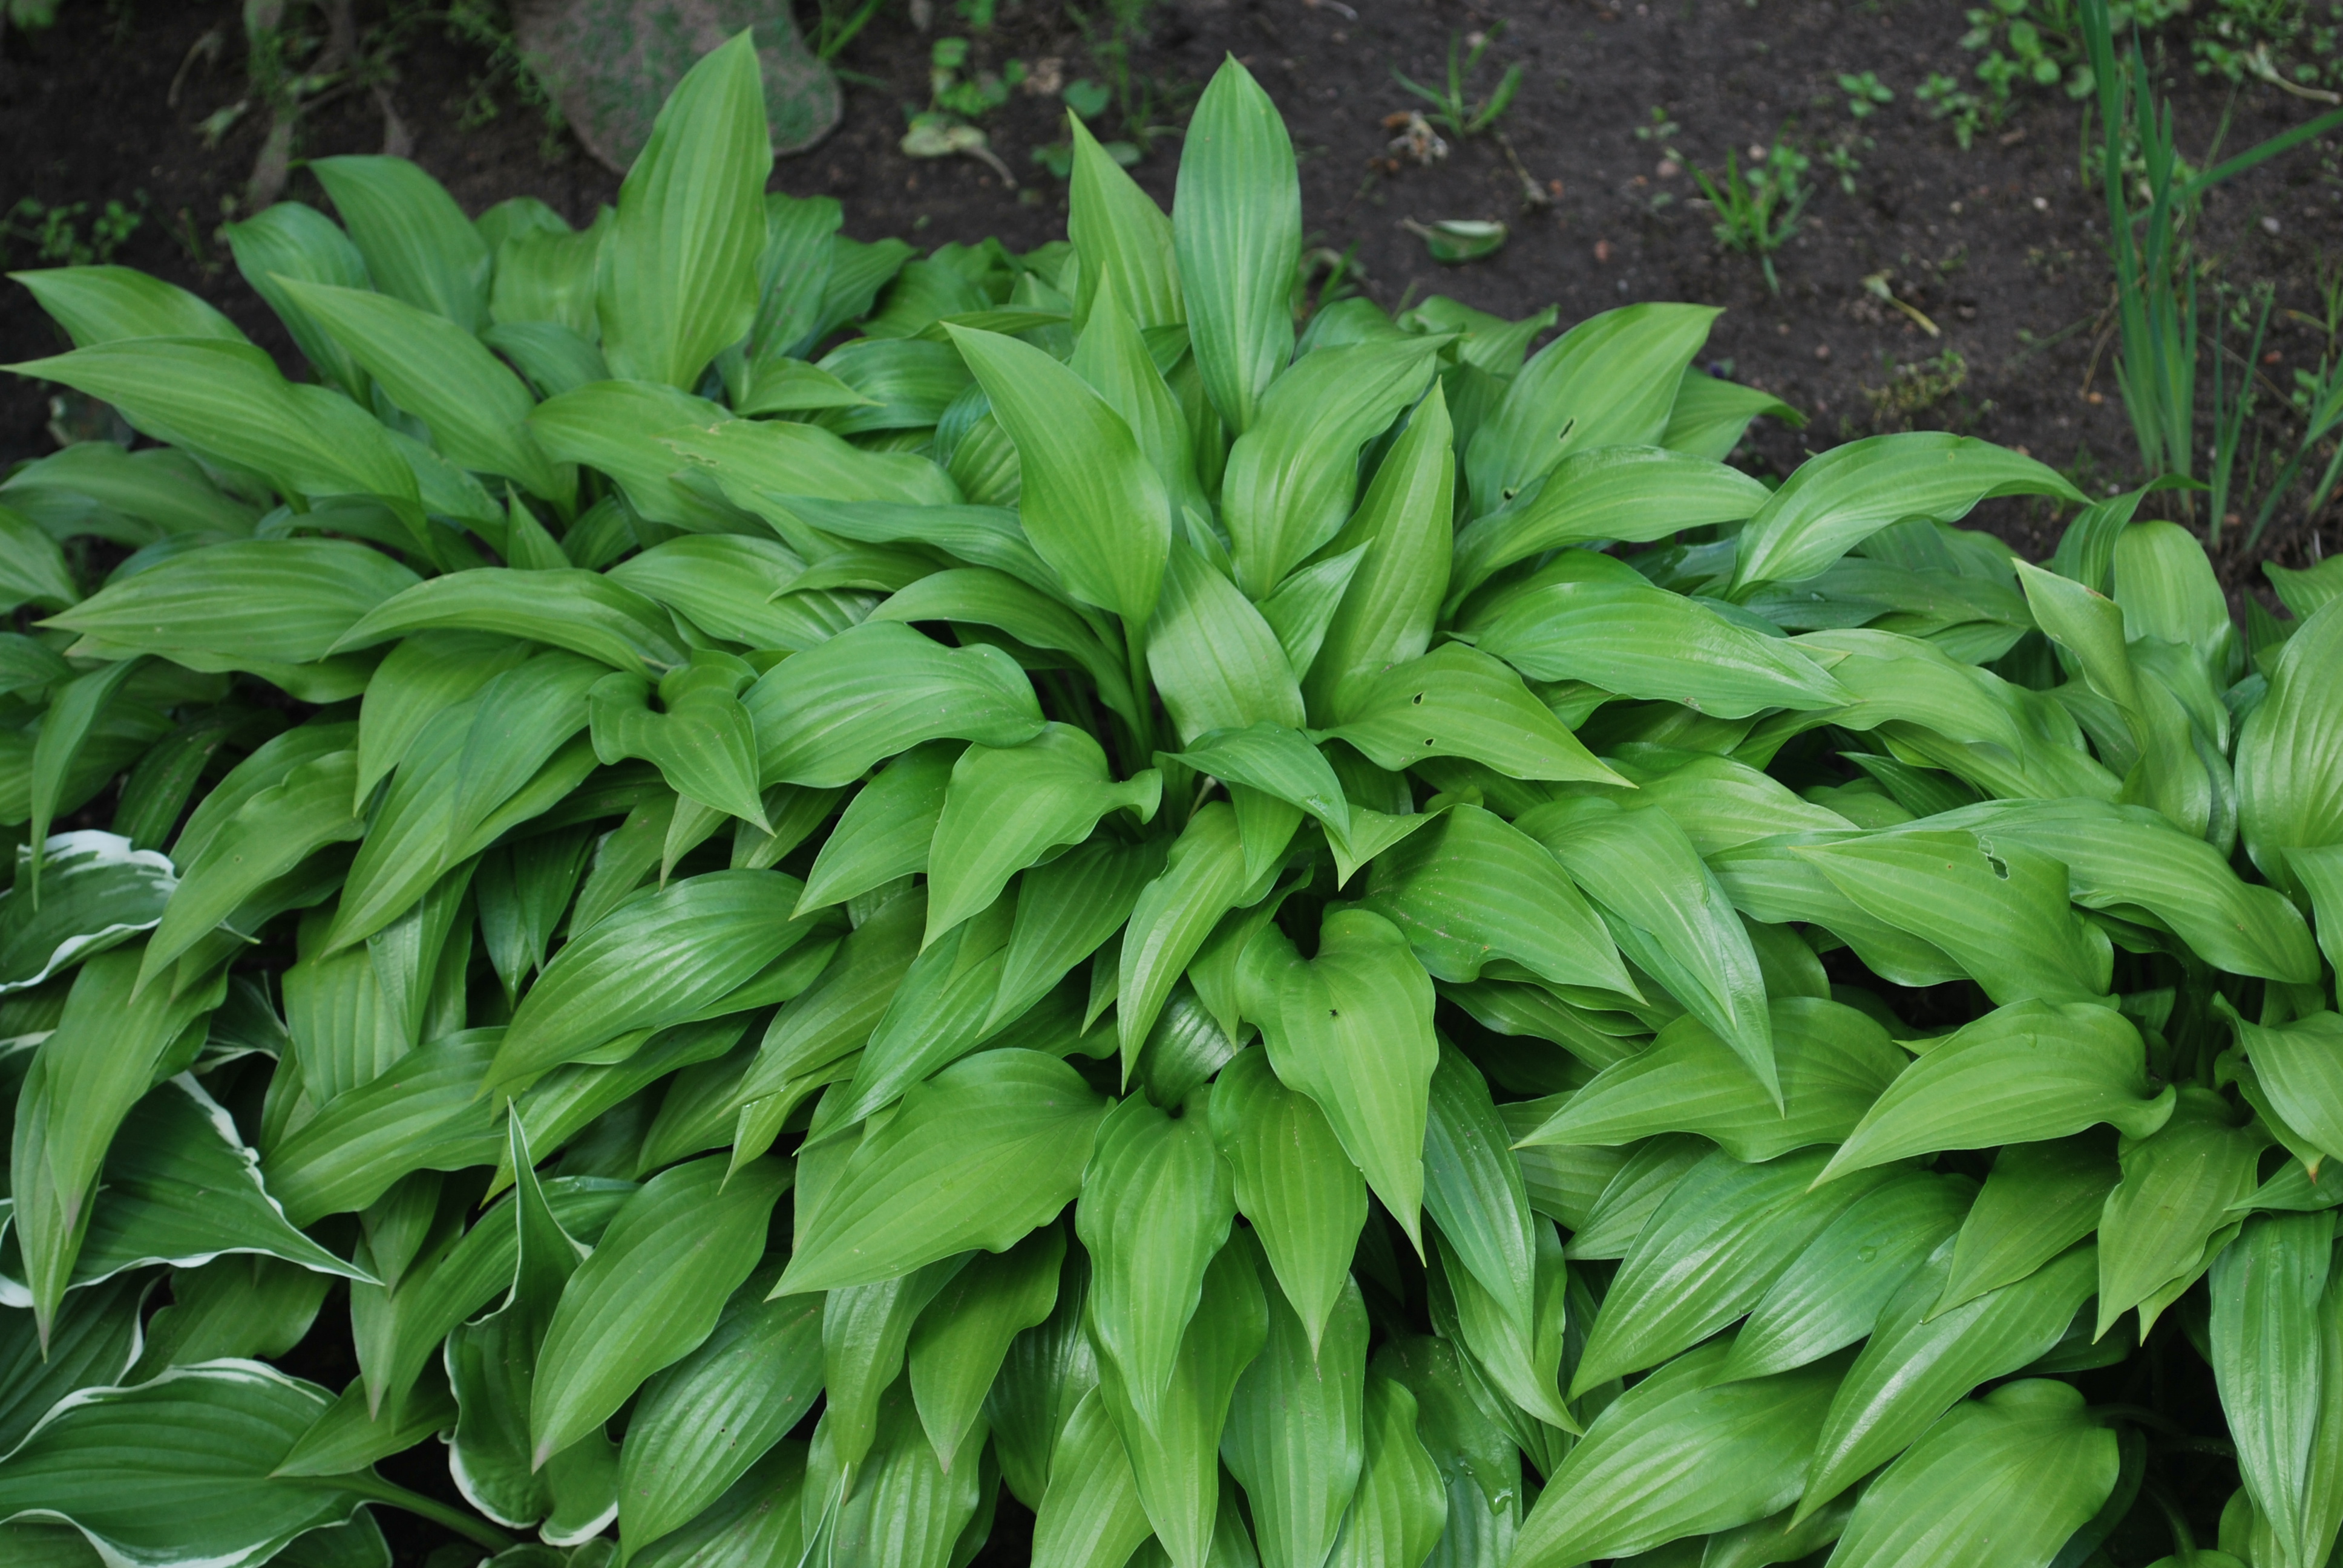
1865,94
55,233
1756,213
1449,108
1915,388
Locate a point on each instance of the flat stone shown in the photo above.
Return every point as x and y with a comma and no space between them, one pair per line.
610,64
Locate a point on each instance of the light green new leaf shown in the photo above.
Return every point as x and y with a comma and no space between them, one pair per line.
699,737
476,409
2040,1200
1306,1201
1203,879
110,1045
1669,915
1915,1368
1007,806
175,1470
1711,1250
1092,505
1629,493
418,247
1292,473
2178,1185
292,240
1609,381
1296,1438
706,1421
824,715
977,1156
1236,223
1351,1029
984,597
2022,1073
1112,356
2291,749
1403,522
2010,1476
1834,1291
1217,663
654,961
1456,702
1175,1448
1834,1062
651,1292
1155,1208
1122,238
1683,1452
679,273
885,831
959,1342
1066,909
1842,498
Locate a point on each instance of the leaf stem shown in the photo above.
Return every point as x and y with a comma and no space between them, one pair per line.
375,1489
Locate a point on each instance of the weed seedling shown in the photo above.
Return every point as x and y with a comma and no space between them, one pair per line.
1448,105
1865,94
1756,215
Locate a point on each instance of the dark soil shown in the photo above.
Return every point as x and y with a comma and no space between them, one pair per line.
2000,246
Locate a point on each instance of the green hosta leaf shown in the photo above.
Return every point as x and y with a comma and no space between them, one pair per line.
2040,1200
650,1292
1203,879
725,584
1670,915
1388,610
1473,1188
2299,1066
1175,1446
978,1156
476,409
108,1046
959,1342
1277,762
703,743
706,1421
2013,1474
936,1014
1609,381
1092,505
2022,1074
270,834
679,270
346,1438
2266,1353
1641,641
1156,1206
1007,806
2289,744
1683,1452
1401,1507
1090,1515
34,570
984,597
824,715
1236,223
105,304
2000,911
758,1520
906,1507
91,1344
1834,1291
654,961
1351,1029
420,678
419,246
492,1365
1850,492
1112,356
180,1188
1066,909
96,892
1306,1201
1048,1370
228,400
886,829
864,1331
1711,1250
294,241
177,1469
1296,1435
2178,1185
582,611
1520,1359
1122,238
1834,1062
1473,888
1456,702
422,1113
1630,493
1216,660
1292,473
230,606
1913,1369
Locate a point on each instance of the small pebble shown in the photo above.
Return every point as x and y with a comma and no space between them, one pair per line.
1603,252
1669,168
2269,226
1822,350
2041,204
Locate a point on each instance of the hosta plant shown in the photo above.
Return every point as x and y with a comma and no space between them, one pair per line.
1296,948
